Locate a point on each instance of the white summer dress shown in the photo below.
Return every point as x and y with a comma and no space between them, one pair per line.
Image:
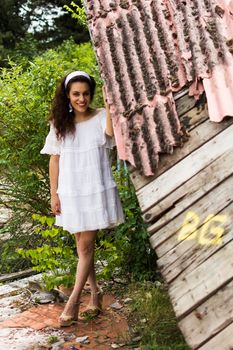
87,192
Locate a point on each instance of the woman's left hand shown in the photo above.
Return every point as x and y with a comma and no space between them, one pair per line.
104,97
109,128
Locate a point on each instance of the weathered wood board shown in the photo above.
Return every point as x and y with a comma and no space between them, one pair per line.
222,341
190,253
176,176
169,234
210,318
188,205
192,187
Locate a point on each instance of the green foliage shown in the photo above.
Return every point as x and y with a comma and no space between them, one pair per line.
63,26
139,258
120,252
78,12
54,254
25,50
12,26
153,318
126,249
53,339
45,22
24,103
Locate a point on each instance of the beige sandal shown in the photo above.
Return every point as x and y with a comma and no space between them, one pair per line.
68,320
92,311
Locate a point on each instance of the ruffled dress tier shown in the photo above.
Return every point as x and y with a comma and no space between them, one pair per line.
86,188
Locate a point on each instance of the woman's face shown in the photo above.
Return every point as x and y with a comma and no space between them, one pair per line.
79,96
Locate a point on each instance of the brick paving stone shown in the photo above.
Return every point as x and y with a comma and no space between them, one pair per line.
51,322
25,323
19,320
101,331
29,314
38,325
8,323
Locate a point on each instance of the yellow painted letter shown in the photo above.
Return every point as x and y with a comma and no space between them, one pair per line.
189,227
215,231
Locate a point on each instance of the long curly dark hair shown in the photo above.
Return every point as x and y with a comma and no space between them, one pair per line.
60,116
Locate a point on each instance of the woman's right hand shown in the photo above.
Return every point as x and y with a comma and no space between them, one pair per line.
55,204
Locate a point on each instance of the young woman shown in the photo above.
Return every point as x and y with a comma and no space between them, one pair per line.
84,196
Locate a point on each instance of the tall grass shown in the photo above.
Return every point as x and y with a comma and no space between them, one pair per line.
153,318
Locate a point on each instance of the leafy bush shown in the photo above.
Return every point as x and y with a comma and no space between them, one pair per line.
78,13
24,104
55,253
126,248
25,99
123,251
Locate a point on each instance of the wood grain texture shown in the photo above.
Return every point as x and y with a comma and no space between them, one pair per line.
197,178
192,290
189,254
176,176
222,341
210,318
167,237
194,189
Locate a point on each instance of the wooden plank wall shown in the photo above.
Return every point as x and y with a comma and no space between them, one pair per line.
188,205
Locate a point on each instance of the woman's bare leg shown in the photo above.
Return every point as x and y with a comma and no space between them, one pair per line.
86,246
92,275
94,300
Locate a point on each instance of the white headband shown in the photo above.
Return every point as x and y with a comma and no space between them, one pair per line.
76,74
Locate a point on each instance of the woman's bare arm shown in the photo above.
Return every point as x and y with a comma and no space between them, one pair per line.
109,127
53,175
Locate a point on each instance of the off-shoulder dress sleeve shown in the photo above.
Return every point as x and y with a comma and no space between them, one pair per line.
52,144
110,140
